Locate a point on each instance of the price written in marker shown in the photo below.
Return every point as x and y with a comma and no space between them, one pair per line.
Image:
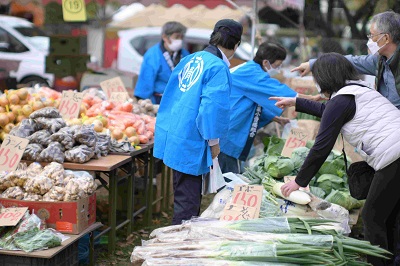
11,216
11,152
119,97
112,85
246,202
297,138
70,104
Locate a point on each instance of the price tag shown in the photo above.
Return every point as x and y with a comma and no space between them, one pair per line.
112,85
297,138
70,104
11,216
234,212
11,152
119,97
247,196
289,178
74,10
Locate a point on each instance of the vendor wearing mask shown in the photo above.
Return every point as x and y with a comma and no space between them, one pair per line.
159,61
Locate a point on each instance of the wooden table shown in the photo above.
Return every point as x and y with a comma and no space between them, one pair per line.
50,253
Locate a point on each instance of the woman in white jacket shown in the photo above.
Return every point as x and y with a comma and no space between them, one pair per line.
369,122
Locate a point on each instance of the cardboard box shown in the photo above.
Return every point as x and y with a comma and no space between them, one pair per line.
71,217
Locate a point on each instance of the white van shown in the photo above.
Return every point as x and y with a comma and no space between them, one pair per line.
23,50
134,43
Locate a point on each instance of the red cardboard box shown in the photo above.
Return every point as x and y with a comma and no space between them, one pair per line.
71,217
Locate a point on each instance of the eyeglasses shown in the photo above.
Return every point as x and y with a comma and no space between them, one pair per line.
239,43
369,36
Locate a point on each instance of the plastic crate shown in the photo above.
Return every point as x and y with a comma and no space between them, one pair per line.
67,257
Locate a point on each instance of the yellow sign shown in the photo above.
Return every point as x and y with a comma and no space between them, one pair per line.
74,10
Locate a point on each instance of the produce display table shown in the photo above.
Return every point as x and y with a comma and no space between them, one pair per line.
66,254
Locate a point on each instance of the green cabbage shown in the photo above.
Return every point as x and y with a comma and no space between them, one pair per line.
299,155
278,167
317,191
344,199
273,145
328,182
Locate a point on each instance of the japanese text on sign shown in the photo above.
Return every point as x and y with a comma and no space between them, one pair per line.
247,199
11,152
112,85
119,97
11,216
70,104
74,10
297,138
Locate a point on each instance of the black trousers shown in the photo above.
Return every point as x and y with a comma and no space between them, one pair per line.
187,196
381,209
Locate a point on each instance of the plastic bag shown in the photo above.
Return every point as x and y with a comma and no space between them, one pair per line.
68,175
218,204
51,124
56,193
213,181
32,152
103,143
86,182
79,154
5,181
53,153
34,169
41,137
54,171
13,193
65,137
120,146
38,185
26,128
36,240
32,197
73,191
47,112
18,177
86,135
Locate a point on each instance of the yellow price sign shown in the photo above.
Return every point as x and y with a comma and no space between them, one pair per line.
74,10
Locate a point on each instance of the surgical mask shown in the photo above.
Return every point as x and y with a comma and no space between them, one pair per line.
373,46
175,45
272,71
230,58
318,87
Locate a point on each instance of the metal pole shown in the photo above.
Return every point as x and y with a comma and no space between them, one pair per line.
253,27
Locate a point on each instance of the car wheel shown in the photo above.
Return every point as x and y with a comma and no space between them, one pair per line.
33,80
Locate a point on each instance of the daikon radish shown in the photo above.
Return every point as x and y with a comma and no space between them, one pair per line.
297,196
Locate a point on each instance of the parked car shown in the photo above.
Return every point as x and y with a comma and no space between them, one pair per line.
23,50
134,43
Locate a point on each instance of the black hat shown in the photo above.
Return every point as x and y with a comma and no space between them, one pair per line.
235,29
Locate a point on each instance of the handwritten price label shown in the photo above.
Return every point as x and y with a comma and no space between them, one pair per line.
112,85
297,138
11,152
119,97
246,202
70,104
11,216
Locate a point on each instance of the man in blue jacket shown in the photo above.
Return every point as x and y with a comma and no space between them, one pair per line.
252,85
194,114
159,61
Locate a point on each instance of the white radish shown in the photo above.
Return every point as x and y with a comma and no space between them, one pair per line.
297,196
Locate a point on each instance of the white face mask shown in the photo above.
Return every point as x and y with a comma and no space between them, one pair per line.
318,87
373,46
272,71
175,45
230,58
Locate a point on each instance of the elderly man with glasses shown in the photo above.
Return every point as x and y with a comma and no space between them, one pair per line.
383,62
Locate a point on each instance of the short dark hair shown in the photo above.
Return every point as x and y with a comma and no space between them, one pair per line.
332,70
223,38
172,27
270,51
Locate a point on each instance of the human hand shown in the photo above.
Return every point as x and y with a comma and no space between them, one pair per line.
283,102
304,69
319,97
215,150
288,187
281,120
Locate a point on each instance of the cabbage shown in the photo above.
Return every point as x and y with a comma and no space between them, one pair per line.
333,167
328,182
299,155
278,167
273,145
317,191
344,199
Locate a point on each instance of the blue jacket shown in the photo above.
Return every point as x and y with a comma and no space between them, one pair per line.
251,86
193,109
154,73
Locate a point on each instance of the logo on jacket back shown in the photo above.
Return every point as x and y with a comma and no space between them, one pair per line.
190,74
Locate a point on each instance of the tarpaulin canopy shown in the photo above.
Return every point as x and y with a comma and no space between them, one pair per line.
283,4
197,17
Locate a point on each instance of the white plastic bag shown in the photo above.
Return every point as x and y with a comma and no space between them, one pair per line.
213,181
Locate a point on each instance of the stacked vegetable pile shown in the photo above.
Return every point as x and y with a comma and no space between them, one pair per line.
28,235
51,183
330,183
278,241
17,105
